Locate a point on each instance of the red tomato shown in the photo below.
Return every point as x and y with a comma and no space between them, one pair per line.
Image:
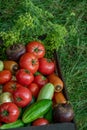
46,66
9,112
11,86
5,76
22,96
40,121
30,62
40,80
24,77
36,48
33,87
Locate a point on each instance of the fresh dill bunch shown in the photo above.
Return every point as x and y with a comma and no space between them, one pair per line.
28,23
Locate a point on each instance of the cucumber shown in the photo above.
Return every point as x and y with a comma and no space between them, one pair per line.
36,110
46,92
49,115
15,124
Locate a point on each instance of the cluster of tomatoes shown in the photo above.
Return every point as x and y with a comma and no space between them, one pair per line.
29,79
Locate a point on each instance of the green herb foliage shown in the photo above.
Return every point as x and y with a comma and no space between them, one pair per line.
22,22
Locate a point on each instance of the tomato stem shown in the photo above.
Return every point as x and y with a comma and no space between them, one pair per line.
43,77
14,86
33,62
36,50
5,113
49,60
27,71
37,73
18,99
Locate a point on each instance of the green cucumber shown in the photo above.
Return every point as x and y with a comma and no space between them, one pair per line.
15,124
49,115
36,110
46,92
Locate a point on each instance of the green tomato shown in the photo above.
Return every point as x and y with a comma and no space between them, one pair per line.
1,65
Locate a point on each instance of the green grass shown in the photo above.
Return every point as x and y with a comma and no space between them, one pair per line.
74,69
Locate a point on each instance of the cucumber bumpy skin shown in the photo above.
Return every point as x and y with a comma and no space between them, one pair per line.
36,110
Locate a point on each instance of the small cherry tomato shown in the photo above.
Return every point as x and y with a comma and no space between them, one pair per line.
30,62
40,121
5,76
11,86
36,48
22,96
9,112
24,77
46,66
33,87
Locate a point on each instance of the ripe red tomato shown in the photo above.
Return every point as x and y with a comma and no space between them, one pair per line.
36,48
46,66
40,80
24,77
30,62
11,86
22,96
33,87
9,112
5,76
40,121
